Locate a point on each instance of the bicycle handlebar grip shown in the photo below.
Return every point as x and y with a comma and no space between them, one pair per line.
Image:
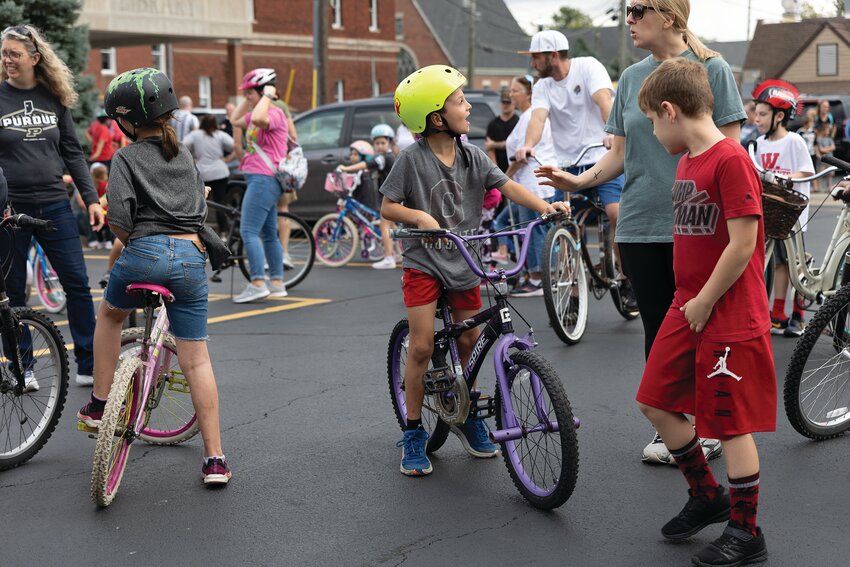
840,164
400,233
25,221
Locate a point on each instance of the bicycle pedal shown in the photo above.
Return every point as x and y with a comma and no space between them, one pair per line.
178,384
438,380
85,428
482,407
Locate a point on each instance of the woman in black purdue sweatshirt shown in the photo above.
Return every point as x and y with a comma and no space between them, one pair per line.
37,143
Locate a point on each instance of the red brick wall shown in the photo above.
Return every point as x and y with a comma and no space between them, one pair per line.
418,37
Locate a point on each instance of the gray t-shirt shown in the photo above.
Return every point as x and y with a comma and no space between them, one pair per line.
646,205
454,196
149,195
209,151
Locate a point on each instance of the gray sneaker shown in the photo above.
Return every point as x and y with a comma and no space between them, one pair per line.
711,448
252,293
30,381
656,452
277,290
794,328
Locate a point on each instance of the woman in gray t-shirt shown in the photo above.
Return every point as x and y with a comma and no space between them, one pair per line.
210,147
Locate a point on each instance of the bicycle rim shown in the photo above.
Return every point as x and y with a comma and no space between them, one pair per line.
817,384
335,243
28,421
437,429
301,250
172,419
50,291
565,286
543,465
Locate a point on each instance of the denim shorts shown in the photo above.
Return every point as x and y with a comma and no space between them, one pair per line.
609,192
173,263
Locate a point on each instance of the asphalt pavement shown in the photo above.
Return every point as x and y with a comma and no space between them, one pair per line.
309,431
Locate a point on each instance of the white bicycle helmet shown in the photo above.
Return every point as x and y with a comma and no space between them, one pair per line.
383,131
258,78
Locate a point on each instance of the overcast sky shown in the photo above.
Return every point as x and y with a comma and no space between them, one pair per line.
722,20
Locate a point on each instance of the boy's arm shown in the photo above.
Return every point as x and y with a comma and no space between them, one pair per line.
743,236
360,165
522,196
396,212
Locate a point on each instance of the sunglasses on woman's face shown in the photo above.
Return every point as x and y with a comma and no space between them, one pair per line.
637,11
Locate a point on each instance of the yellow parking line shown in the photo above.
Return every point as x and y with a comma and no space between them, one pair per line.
297,303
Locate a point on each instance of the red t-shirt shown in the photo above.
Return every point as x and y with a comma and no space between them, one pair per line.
715,186
101,132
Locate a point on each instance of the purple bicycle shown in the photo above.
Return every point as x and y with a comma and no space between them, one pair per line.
535,425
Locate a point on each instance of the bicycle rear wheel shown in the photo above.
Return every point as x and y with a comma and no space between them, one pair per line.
172,419
817,383
116,434
438,430
50,291
301,250
335,244
27,421
564,285
543,465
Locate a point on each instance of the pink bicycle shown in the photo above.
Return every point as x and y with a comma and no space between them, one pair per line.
149,399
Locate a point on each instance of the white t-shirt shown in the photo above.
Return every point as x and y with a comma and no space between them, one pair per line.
403,137
576,119
544,152
786,156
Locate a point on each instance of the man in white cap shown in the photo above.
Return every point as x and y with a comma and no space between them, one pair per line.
576,96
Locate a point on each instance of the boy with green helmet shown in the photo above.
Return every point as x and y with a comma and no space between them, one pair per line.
440,182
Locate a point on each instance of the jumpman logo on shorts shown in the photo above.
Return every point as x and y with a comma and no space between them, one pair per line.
720,367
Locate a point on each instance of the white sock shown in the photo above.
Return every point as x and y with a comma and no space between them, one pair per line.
206,459
532,281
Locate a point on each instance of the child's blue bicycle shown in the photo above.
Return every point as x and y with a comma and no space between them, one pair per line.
41,273
534,423
338,235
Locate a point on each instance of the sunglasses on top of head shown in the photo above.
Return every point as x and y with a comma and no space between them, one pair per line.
18,30
637,11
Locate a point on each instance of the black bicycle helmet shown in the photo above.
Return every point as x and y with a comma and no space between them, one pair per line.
139,96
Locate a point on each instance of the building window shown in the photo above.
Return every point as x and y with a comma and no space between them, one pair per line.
107,61
399,27
486,84
828,59
337,15
159,59
373,15
204,92
339,87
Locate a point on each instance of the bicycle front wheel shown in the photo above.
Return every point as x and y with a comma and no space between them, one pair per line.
817,383
438,430
543,464
27,421
564,285
335,243
172,419
116,434
50,291
299,255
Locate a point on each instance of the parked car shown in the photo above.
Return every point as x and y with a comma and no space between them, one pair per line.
326,132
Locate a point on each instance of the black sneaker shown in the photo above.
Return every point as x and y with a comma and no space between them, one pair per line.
734,547
697,514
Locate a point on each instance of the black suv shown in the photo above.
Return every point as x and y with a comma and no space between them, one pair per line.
326,132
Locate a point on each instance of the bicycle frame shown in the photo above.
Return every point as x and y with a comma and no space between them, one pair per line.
353,207
38,260
149,354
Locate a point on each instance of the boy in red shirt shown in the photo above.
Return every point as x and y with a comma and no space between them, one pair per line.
713,357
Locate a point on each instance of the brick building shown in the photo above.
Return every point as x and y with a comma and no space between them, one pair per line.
207,45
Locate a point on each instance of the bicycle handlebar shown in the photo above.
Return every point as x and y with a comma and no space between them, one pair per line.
840,165
583,151
766,175
437,233
21,220
218,206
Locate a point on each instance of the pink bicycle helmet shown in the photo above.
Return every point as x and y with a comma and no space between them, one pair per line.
258,78
363,148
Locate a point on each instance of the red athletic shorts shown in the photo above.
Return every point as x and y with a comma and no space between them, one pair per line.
421,289
730,388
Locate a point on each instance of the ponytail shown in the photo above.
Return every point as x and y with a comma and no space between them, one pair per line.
170,145
679,11
700,50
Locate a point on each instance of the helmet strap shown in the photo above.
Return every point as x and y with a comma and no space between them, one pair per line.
431,129
126,133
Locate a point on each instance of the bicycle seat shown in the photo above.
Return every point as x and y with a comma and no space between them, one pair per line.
153,288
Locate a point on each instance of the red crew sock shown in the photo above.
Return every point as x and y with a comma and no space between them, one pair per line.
744,496
797,311
691,461
778,309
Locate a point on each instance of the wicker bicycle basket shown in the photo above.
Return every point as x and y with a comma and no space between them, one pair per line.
781,206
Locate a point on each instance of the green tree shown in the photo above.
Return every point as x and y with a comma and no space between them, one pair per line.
839,8
570,18
56,19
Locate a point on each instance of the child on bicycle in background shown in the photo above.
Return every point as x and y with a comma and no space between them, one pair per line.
440,182
99,175
786,153
712,357
157,209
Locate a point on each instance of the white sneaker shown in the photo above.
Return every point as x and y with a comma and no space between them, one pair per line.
84,380
277,291
30,381
287,262
94,244
388,263
252,293
107,245
711,448
657,453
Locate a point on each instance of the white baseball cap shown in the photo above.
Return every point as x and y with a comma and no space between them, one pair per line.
548,40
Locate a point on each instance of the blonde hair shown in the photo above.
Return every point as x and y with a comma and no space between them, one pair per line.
50,70
680,11
680,82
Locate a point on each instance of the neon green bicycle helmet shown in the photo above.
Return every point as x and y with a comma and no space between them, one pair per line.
423,92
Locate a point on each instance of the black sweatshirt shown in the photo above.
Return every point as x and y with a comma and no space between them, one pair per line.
37,143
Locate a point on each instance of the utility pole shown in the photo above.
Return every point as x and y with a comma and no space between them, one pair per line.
320,51
749,17
470,67
623,37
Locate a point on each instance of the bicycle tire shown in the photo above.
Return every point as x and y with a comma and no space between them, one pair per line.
302,251
565,291
438,430
621,295
47,402
530,481
335,252
115,435
371,247
50,292
172,421
826,345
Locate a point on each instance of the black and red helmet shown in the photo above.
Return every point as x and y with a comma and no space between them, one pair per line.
779,94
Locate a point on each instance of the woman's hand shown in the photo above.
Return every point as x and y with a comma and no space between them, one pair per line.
557,178
96,216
